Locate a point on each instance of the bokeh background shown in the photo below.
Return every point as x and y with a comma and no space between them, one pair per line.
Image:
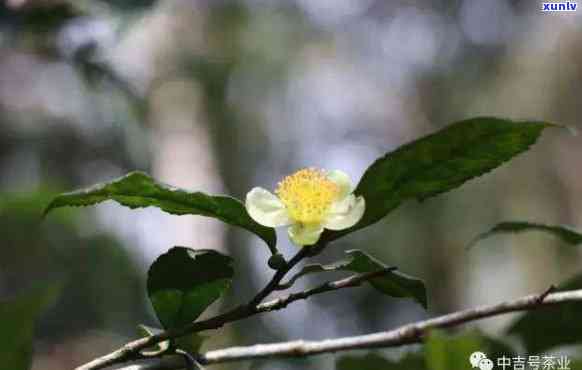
221,96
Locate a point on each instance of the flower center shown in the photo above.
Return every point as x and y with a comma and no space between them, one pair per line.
308,195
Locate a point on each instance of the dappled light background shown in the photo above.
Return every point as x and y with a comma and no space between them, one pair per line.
221,96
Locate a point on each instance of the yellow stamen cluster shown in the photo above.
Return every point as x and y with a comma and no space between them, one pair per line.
308,195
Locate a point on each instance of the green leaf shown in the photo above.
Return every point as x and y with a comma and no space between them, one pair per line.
551,326
566,234
372,361
393,283
17,319
138,190
438,163
183,282
445,352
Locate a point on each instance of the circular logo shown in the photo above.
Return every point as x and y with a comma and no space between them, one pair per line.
475,358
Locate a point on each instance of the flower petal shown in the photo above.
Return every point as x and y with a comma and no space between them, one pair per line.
343,182
343,205
305,234
265,208
345,213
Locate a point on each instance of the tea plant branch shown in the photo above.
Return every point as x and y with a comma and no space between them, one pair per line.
407,334
131,351
275,304
282,302
349,282
411,333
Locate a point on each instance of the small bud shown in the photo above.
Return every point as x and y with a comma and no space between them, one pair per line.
277,261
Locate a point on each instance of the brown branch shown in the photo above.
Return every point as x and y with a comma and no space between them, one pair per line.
349,282
131,351
552,288
407,334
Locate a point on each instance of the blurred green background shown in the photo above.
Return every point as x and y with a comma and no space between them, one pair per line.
221,96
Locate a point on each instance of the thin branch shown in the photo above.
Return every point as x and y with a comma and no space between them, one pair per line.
552,288
131,350
279,275
191,363
307,269
411,333
171,362
349,282
407,334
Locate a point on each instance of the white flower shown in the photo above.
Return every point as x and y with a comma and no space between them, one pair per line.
309,201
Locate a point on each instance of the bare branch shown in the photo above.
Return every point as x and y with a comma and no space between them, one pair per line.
275,304
407,334
410,333
131,350
307,269
349,282
552,288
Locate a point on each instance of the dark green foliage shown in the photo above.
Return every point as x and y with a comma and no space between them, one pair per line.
129,5
138,190
102,286
394,283
183,282
445,352
548,327
17,319
566,234
440,162
39,19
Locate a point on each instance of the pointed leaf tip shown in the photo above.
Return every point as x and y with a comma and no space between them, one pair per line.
440,162
564,233
394,283
139,190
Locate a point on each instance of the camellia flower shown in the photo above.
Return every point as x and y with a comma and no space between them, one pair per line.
309,201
